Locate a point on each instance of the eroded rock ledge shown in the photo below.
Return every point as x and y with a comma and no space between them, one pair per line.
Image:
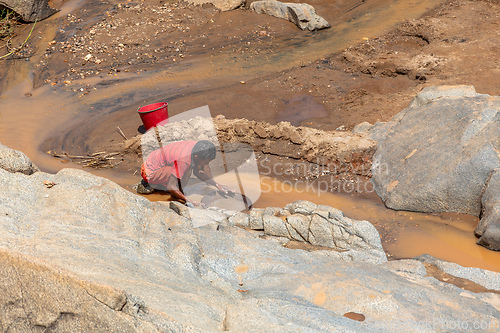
335,149
302,221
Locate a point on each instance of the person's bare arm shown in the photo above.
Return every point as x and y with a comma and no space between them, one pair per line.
204,173
176,192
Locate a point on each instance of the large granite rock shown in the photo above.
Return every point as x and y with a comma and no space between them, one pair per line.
302,15
30,10
37,297
15,161
437,154
411,172
149,268
488,228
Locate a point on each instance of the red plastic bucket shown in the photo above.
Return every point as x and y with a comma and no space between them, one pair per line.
154,115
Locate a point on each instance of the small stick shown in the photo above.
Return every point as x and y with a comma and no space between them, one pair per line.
54,154
121,133
65,155
76,157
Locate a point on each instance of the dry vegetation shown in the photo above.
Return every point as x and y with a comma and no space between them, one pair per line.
7,19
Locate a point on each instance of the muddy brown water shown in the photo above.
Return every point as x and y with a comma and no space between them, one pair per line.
57,117
405,234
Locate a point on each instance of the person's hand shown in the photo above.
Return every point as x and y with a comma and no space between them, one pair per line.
224,189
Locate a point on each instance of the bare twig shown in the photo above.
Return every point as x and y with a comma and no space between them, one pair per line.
99,153
121,133
95,160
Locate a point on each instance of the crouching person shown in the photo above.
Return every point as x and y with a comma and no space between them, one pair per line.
169,168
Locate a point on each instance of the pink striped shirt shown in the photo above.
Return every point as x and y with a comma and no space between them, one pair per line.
176,155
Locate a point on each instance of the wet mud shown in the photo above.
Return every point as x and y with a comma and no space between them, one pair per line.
300,108
465,284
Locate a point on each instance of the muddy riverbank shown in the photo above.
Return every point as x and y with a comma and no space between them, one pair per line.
298,76
370,81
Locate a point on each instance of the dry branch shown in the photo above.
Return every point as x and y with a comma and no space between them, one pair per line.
95,160
121,133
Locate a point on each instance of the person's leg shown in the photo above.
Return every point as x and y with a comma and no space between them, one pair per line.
143,186
157,179
152,180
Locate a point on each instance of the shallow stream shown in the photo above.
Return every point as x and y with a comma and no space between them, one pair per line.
29,117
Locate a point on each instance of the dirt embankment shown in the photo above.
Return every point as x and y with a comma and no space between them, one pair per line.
341,152
337,153
456,43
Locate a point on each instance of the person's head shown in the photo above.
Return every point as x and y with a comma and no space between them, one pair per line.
203,152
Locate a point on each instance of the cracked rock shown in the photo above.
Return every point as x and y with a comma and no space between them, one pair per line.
319,225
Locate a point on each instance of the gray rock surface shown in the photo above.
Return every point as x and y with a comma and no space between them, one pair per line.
222,5
320,225
406,267
437,154
30,10
15,161
488,228
301,14
35,296
239,219
363,127
146,266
